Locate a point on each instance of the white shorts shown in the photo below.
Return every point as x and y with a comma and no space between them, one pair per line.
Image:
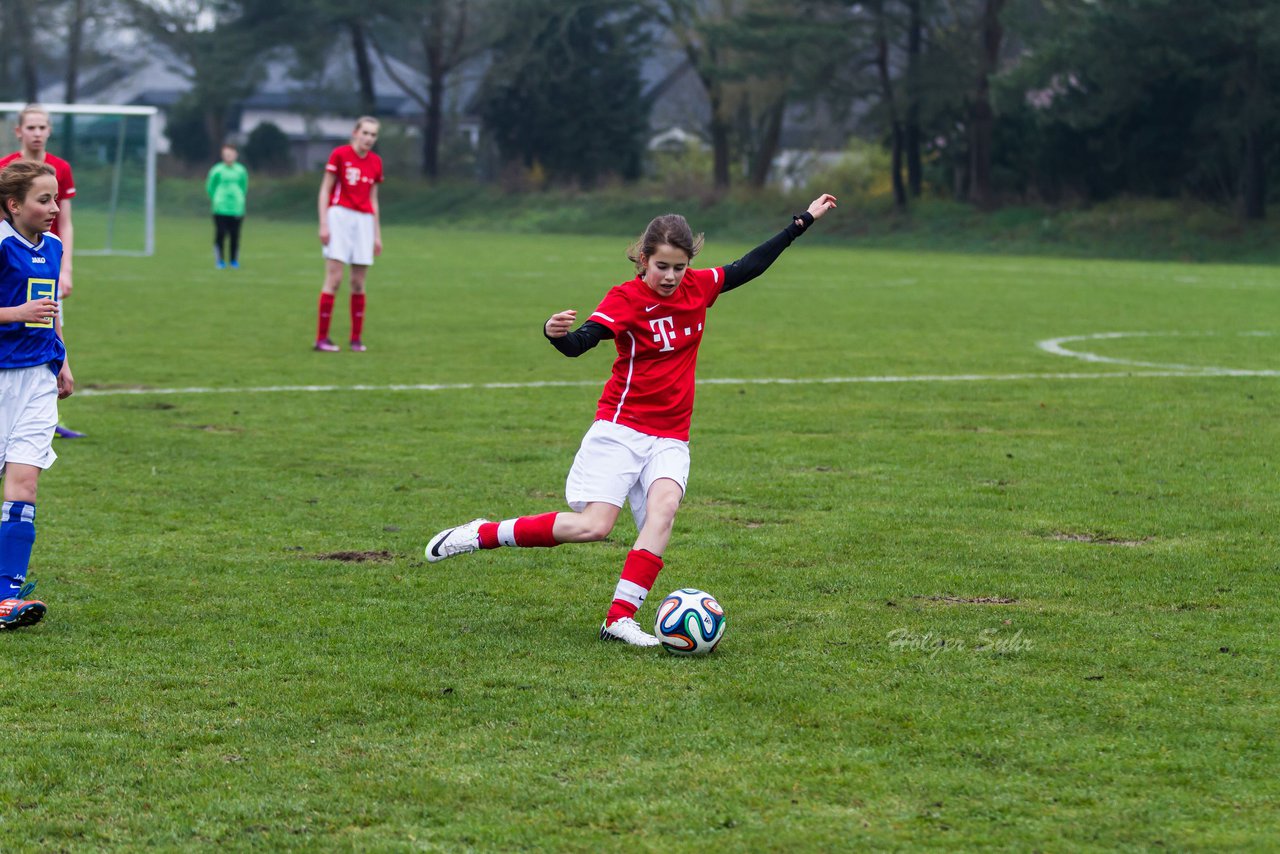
28,414
616,464
350,236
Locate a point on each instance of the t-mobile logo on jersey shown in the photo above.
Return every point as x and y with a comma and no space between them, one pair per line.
353,175
664,330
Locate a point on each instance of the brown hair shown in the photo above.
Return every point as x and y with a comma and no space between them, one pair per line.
370,119
16,180
668,230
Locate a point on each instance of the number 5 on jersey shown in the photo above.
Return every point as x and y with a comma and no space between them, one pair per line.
41,289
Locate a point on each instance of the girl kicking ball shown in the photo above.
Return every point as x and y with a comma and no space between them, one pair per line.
637,450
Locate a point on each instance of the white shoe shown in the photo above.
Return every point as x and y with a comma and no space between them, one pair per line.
628,631
461,540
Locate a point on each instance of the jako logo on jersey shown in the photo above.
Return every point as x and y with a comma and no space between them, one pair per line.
664,329
36,259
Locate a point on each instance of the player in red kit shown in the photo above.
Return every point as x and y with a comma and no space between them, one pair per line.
350,227
637,451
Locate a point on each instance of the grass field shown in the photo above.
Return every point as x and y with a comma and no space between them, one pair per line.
980,595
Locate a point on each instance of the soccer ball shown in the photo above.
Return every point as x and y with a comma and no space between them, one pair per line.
690,622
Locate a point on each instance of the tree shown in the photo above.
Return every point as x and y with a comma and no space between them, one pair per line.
442,35
754,58
563,90
314,30
774,58
224,55
353,19
912,136
981,112
692,23
952,55
897,134
19,44
267,148
79,15
364,68
1157,97
881,78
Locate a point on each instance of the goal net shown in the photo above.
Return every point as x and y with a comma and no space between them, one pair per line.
112,152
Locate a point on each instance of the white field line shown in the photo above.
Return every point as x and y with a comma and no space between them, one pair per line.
918,378
1054,346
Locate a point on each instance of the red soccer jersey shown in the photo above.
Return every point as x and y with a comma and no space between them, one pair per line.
651,389
356,177
62,173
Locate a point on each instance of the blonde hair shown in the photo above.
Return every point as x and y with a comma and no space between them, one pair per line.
370,119
31,108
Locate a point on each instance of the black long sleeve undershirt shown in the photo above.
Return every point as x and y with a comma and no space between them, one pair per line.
746,268
756,261
581,339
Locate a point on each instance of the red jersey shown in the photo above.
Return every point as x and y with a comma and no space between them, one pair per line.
61,172
651,389
356,177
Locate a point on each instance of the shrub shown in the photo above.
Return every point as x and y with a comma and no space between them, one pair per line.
862,172
267,149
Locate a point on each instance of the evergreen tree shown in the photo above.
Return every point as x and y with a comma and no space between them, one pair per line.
1156,97
564,92
224,54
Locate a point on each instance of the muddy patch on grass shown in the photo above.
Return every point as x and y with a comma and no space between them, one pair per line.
222,429
356,557
969,600
1096,539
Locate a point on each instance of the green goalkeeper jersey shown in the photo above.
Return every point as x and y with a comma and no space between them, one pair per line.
227,186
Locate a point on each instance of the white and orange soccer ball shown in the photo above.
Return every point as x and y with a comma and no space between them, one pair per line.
689,622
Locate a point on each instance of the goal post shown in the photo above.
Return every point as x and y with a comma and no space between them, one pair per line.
112,152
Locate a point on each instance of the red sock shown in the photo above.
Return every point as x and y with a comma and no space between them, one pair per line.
638,576
357,316
525,532
326,315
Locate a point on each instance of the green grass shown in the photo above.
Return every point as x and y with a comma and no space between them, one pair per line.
1133,229
209,676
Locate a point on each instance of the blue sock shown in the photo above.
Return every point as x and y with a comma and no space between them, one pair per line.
17,536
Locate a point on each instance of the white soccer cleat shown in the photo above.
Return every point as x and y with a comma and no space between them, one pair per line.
628,631
461,540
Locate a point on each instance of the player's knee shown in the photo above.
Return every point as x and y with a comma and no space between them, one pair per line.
668,505
595,530
662,508
593,527
20,486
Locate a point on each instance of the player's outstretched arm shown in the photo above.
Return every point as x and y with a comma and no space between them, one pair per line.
758,260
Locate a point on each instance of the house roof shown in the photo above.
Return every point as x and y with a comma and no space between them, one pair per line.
159,78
